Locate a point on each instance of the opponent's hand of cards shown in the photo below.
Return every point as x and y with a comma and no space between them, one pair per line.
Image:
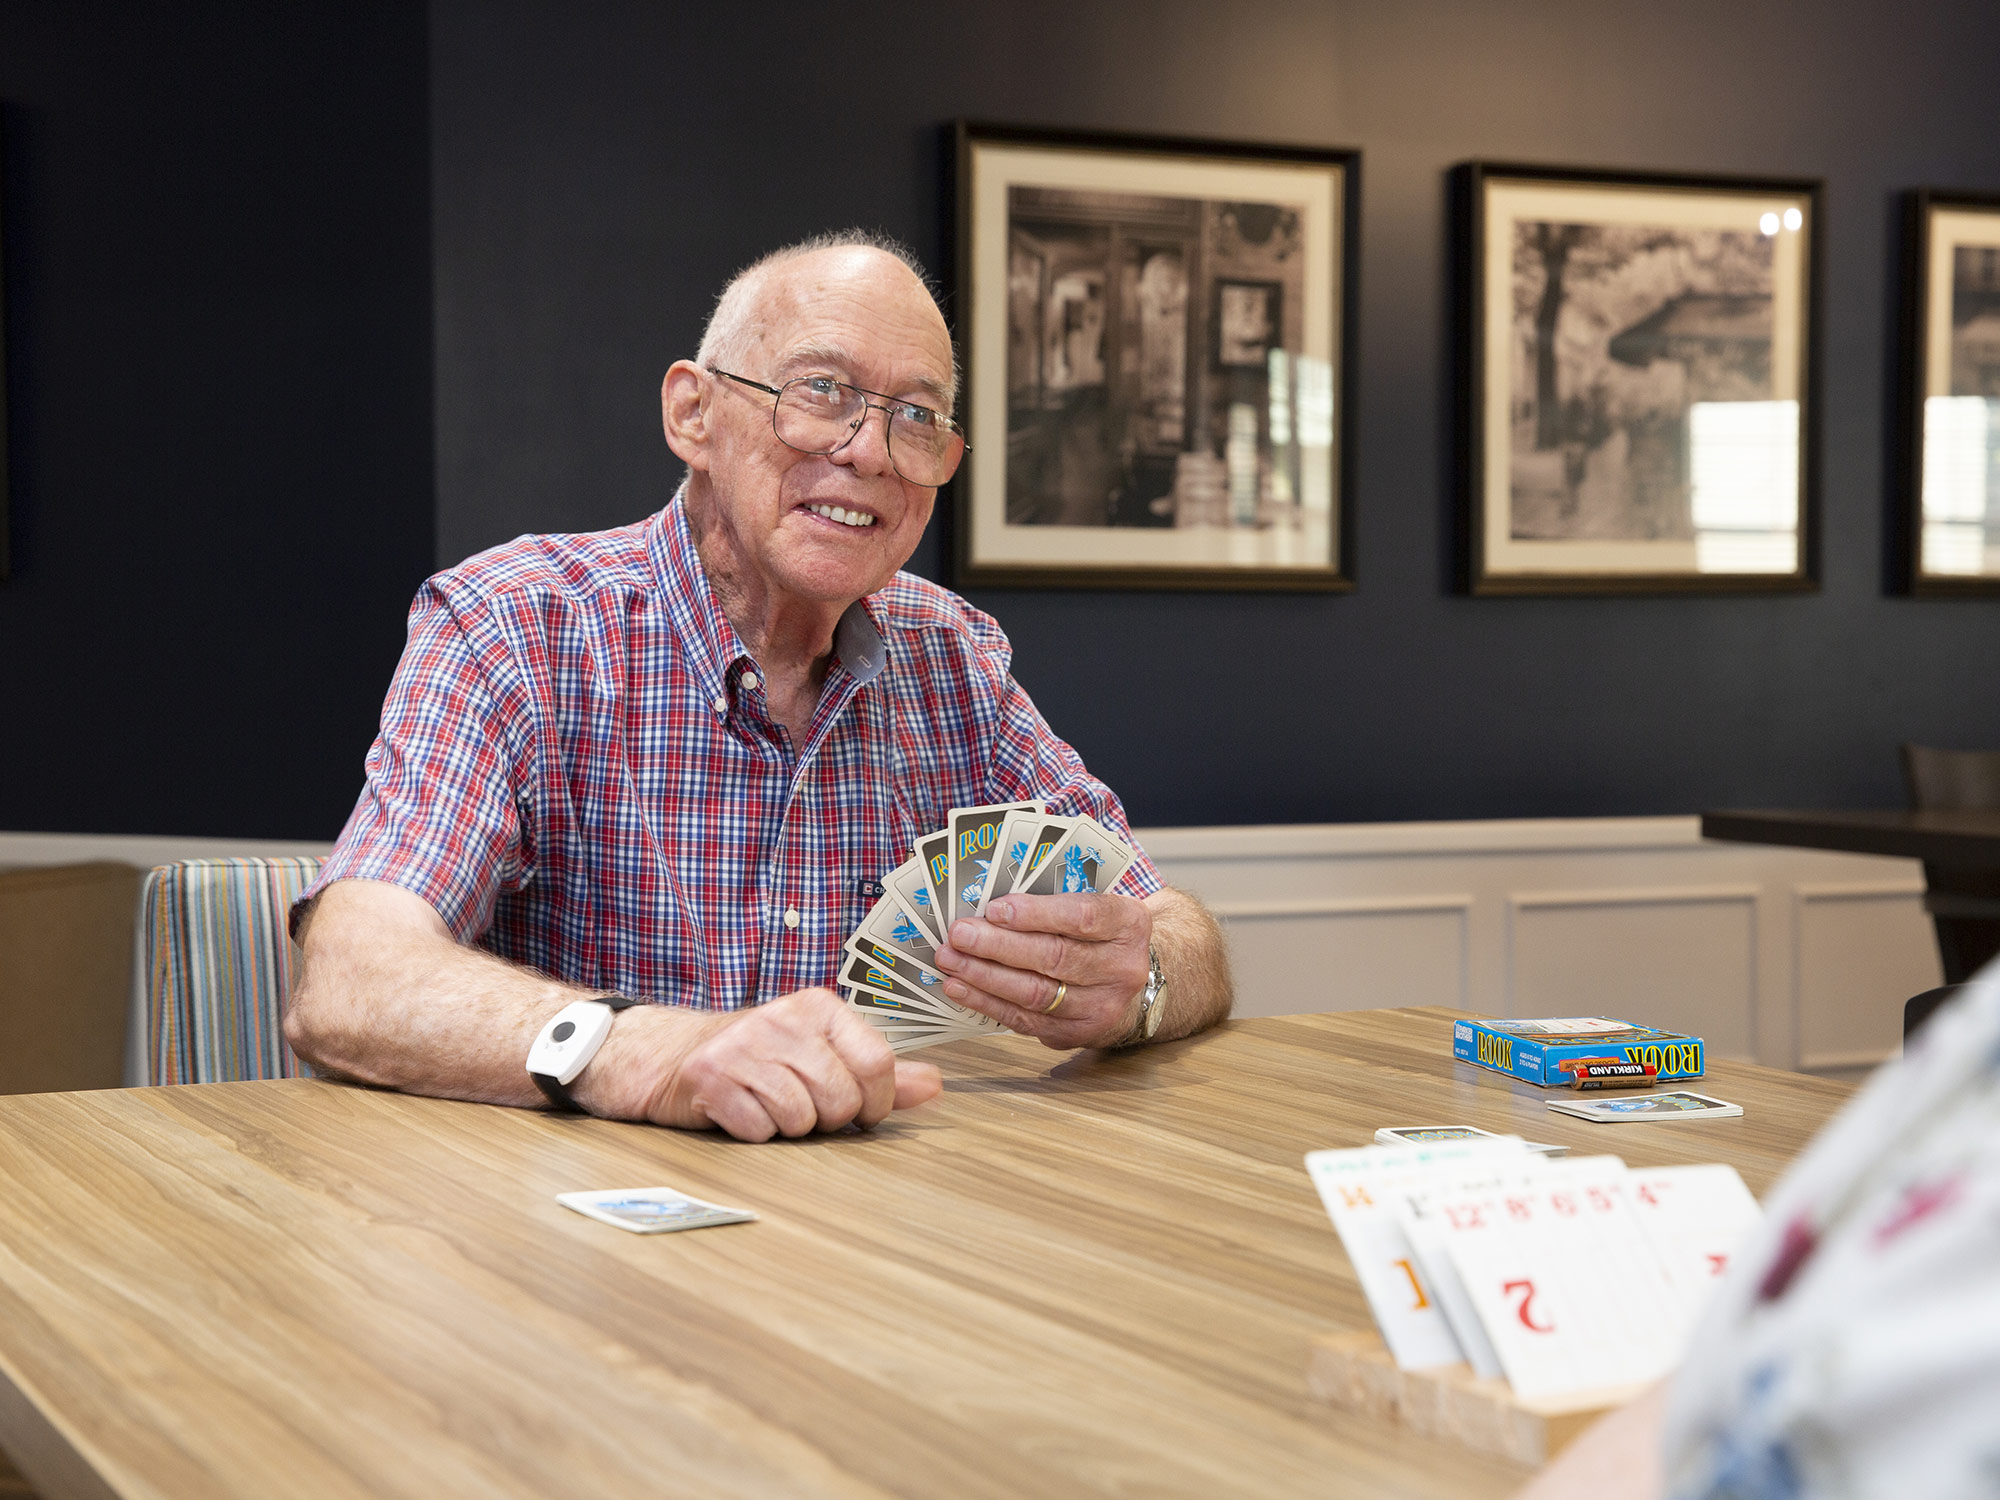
890,970
1569,1277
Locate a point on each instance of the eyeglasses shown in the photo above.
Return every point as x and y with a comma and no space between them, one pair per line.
818,414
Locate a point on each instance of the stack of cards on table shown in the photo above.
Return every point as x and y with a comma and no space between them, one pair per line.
1566,1276
890,970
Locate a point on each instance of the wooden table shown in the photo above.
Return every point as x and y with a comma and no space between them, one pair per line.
1070,1276
1941,836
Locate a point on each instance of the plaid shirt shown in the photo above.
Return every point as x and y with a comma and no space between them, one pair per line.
578,770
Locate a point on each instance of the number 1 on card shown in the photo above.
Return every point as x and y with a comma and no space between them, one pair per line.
1416,1286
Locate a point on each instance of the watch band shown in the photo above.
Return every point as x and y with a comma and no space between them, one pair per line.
554,1089
1152,1002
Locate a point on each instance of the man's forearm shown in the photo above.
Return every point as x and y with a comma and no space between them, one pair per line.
1195,958
386,996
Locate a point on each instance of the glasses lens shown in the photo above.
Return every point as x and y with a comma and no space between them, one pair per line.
924,450
816,413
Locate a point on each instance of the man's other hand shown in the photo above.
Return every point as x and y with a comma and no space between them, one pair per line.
1008,966
799,1064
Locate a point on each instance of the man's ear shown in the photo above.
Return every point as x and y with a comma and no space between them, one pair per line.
684,413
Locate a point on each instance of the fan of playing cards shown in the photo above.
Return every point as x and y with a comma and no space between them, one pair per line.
891,975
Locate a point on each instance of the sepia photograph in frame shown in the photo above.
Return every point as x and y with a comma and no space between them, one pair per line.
1157,342
1948,527
1637,356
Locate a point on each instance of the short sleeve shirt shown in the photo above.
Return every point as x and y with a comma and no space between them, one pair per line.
577,769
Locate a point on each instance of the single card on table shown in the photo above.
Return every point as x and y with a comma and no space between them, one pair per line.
913,892
1361,1189
975,844
933,855
1430,1135
1088,859
1674,1104
656,1210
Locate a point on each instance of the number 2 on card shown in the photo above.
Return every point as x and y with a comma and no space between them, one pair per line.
1527,1291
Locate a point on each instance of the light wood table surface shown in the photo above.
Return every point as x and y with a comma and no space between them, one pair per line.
1070,1276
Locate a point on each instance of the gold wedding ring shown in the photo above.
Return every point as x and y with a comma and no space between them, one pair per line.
1062,990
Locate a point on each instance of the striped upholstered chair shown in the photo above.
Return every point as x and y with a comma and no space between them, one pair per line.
217,963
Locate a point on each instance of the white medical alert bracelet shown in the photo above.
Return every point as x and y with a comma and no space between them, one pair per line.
568,1043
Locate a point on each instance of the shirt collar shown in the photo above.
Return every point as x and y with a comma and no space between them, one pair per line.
712,643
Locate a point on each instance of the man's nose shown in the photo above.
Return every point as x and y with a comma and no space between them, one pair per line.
867,452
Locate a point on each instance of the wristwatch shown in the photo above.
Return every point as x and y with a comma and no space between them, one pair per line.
568,1043
1152,1000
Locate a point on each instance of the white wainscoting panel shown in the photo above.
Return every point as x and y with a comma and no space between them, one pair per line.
1683,958
1855,937
1793,957
1290,957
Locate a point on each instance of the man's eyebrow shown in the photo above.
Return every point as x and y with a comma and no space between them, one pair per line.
824,353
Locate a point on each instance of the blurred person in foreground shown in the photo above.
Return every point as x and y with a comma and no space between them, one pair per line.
1852,1352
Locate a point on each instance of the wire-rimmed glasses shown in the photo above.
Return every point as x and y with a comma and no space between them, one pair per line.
818,414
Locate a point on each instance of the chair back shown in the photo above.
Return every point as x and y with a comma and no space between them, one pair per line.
1953,780
216,958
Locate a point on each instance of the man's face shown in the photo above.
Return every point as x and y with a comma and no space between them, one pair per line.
826,528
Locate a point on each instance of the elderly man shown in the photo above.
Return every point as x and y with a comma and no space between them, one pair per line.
669,762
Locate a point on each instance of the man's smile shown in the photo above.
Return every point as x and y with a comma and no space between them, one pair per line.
856,519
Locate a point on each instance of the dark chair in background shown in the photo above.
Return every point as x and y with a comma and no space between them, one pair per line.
1919,1008
1964,903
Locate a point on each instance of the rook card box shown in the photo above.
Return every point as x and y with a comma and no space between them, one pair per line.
1536,1050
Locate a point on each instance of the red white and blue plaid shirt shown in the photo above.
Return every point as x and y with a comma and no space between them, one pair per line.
576,770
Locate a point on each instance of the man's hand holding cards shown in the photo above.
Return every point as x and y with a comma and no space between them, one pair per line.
1004,918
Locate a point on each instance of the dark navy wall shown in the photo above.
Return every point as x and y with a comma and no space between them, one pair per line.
218,329
232,227
601,168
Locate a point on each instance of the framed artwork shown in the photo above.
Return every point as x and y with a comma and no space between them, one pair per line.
1638,392
1948,530
1158,345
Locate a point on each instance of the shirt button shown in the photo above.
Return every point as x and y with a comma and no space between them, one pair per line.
791,916
719,703
750,681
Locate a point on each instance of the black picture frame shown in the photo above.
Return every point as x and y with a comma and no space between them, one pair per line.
1938,222
1291,528
1557,512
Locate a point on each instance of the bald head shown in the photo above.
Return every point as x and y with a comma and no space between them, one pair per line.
765,295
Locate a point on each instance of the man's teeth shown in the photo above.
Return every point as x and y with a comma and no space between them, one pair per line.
845,517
